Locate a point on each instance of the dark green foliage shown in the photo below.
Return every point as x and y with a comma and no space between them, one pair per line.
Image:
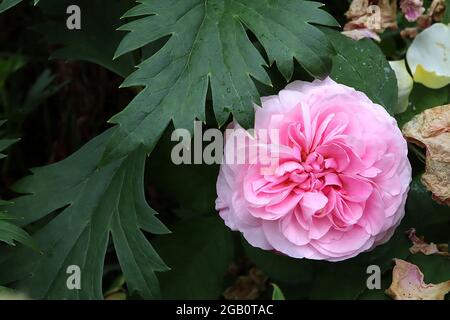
181,60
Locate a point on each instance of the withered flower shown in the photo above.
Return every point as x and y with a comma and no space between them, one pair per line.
371,17
431,129
408,284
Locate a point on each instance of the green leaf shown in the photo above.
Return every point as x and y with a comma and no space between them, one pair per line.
421,210
208,45
363,66
87,204
11,294
4,144
7,4
198,252
446,18
116,286
277,293
4,215
9,233
423,98
434,267
96,41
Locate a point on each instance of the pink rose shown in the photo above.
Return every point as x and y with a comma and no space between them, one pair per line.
341,180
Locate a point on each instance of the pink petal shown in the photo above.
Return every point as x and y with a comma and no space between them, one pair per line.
312,202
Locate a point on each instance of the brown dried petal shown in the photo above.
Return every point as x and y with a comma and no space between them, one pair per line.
436,10
259,278
431,129
388,14
243,289
409,33
247,287
419,245
357,9
424,22
374,15
359,34
408,284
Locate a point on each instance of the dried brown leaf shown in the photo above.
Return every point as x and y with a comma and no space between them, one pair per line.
431,129
373,15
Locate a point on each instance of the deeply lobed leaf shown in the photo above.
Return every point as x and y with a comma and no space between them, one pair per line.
208,45
93,203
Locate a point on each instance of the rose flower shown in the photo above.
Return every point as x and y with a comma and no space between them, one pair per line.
340,179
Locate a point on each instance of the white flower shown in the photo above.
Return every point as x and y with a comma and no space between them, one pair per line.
429,56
